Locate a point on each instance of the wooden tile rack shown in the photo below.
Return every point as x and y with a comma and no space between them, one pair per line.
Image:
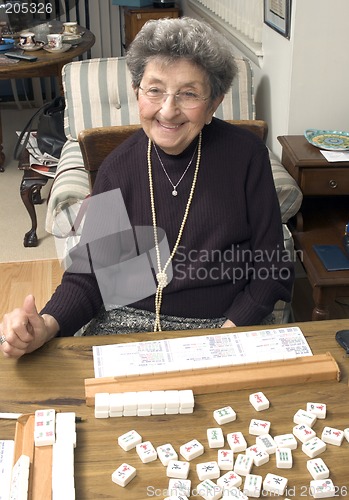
301,370
40,472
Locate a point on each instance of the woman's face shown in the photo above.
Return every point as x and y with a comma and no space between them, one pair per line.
169,125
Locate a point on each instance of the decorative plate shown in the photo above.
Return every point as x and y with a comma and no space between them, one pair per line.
65,47
7,43
332,140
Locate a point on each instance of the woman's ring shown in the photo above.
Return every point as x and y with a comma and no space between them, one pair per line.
2,339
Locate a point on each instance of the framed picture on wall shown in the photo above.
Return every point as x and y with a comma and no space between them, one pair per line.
277,15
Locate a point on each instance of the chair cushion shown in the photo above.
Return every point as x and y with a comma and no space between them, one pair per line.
289,194
238,103
98,93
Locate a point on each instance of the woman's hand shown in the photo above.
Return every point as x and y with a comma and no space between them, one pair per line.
228,324
23,330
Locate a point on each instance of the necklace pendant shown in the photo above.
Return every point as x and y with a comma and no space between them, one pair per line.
174,192
162,279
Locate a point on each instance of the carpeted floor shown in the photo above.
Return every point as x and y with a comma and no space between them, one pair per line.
14,218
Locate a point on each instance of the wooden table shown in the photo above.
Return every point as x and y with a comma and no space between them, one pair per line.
54,377
47,64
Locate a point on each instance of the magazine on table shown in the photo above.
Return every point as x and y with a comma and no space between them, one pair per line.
42,163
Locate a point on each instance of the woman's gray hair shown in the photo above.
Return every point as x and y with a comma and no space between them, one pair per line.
193,40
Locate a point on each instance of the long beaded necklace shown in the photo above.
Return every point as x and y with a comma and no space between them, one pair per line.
175,192
161,275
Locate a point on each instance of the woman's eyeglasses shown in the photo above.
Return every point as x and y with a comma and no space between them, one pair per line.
185,99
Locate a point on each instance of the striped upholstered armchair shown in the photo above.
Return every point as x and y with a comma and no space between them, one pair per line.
98,93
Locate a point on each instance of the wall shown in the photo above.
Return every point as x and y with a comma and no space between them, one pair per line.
304,82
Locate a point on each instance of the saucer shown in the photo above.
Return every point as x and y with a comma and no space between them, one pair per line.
37,46
65,47
70,38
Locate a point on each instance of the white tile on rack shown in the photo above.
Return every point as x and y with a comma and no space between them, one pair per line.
186,398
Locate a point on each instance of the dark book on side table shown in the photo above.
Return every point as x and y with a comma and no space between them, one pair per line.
332,257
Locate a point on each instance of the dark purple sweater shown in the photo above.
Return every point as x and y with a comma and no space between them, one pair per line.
231,260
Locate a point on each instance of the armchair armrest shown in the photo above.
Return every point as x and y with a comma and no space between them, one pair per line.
289,194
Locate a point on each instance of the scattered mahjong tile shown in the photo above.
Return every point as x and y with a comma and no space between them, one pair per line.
253,485
304,417
318,409
166,452
178,469
303,432
314,447
224,415
267,443
129,440
243,464
179,487
209,490
259,401
146,452
274,484
322,488
177,497
318,469
123,474
191,450
229,480
236,441
286,441
225,459
330,435
258,427
207,470
283,458
259,455
215,437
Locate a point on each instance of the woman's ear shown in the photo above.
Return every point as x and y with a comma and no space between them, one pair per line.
135,90
212,108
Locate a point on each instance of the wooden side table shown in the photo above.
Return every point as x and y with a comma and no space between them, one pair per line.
322,219
313,173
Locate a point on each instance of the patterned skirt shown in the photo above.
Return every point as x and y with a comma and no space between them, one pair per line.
124,319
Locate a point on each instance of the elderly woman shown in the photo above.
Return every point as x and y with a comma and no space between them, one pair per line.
206,183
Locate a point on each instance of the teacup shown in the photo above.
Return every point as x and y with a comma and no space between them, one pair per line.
27,39
55,41
70,28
